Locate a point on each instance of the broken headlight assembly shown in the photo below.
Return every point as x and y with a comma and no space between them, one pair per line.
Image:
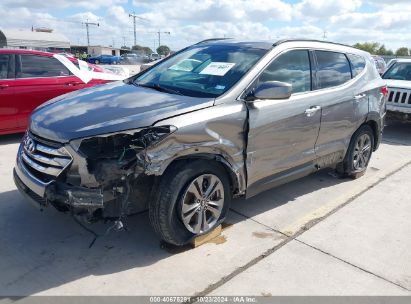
120,151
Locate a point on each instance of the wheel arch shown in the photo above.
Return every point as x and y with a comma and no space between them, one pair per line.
374,121
233,177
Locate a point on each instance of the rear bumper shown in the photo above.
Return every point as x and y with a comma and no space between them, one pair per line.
399,109
399,113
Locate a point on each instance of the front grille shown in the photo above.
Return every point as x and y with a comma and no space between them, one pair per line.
401,97
44,159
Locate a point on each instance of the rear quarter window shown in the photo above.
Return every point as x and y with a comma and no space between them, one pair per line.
333,69
357,64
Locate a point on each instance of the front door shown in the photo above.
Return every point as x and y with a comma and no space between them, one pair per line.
283,133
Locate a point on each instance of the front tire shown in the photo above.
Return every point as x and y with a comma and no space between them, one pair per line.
359,153
192,199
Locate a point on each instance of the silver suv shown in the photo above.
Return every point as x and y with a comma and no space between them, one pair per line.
217,120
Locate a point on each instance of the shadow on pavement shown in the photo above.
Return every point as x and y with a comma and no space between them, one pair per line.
397,133
11,139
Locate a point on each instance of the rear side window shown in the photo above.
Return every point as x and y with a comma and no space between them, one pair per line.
41,66
5,62
333,69
357,64
292,67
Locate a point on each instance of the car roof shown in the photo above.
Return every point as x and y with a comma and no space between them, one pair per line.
405,60
31,52
19,51
264,44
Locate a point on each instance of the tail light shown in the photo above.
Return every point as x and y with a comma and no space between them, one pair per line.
384,91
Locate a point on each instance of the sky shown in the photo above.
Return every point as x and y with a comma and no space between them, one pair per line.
190,21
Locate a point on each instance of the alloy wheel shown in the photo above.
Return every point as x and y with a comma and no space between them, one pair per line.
202,203
362,152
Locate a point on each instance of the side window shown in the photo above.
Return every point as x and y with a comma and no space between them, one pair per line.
5,62
41,66
333,69
357,64
292,67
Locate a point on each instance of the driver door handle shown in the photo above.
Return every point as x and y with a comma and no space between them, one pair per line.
3,86
312,110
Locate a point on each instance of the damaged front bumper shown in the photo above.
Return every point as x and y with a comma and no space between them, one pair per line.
108,183
42,194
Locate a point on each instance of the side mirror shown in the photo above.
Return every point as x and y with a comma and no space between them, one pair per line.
271,90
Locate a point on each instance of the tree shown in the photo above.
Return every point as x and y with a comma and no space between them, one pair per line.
402,52
373,48
163,50
383,51
143,49
370,47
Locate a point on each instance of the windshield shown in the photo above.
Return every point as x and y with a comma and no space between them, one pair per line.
202,71
399,71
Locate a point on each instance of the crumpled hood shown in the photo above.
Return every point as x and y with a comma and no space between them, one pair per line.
108,108
400,84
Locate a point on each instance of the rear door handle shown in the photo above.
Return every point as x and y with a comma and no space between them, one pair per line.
359,97
3,86
312,110
73,83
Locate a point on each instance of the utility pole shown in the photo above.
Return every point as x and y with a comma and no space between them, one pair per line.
159,36
134,16
88,34
325,35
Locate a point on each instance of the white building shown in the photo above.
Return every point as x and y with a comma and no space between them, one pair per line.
35,40
96,50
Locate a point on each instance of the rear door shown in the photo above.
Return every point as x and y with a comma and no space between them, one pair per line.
360,89
282,133
335,95
38,79
8,109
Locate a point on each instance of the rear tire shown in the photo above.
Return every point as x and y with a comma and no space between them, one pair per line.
178,212
358,154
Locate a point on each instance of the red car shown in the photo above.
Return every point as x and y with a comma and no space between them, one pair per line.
30,78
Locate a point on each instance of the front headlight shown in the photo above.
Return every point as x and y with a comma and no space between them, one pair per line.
121,146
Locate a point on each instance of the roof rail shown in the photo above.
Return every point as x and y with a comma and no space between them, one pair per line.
309,40
212,39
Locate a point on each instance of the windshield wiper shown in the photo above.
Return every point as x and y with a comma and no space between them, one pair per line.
157,87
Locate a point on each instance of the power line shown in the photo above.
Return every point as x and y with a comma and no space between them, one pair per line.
88,34
134,16
159,36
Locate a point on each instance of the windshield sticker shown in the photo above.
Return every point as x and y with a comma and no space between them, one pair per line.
217,68
219,87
